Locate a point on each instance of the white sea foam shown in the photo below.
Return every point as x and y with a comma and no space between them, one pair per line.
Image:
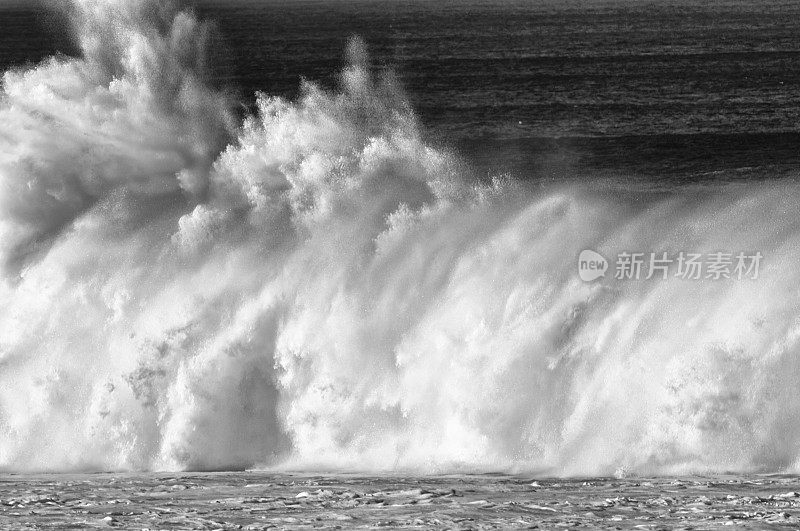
317,287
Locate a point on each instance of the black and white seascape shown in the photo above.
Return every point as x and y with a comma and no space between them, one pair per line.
474,264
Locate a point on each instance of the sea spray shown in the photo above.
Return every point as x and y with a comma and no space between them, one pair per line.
317,287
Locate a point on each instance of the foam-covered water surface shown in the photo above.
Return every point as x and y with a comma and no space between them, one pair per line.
267,501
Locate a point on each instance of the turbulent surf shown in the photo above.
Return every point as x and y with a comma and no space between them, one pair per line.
316,286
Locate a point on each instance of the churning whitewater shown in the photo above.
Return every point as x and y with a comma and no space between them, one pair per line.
317,287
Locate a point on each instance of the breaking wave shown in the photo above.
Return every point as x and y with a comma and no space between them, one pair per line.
316,287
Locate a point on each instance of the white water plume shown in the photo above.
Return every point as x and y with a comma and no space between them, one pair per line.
317,287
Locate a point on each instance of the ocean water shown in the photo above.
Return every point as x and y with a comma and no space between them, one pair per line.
306,501
681,90
344,237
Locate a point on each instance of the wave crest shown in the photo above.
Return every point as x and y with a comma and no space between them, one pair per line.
318,287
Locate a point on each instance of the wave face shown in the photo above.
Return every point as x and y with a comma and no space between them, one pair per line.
317,287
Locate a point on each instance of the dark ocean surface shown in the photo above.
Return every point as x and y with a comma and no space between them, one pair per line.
687,90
